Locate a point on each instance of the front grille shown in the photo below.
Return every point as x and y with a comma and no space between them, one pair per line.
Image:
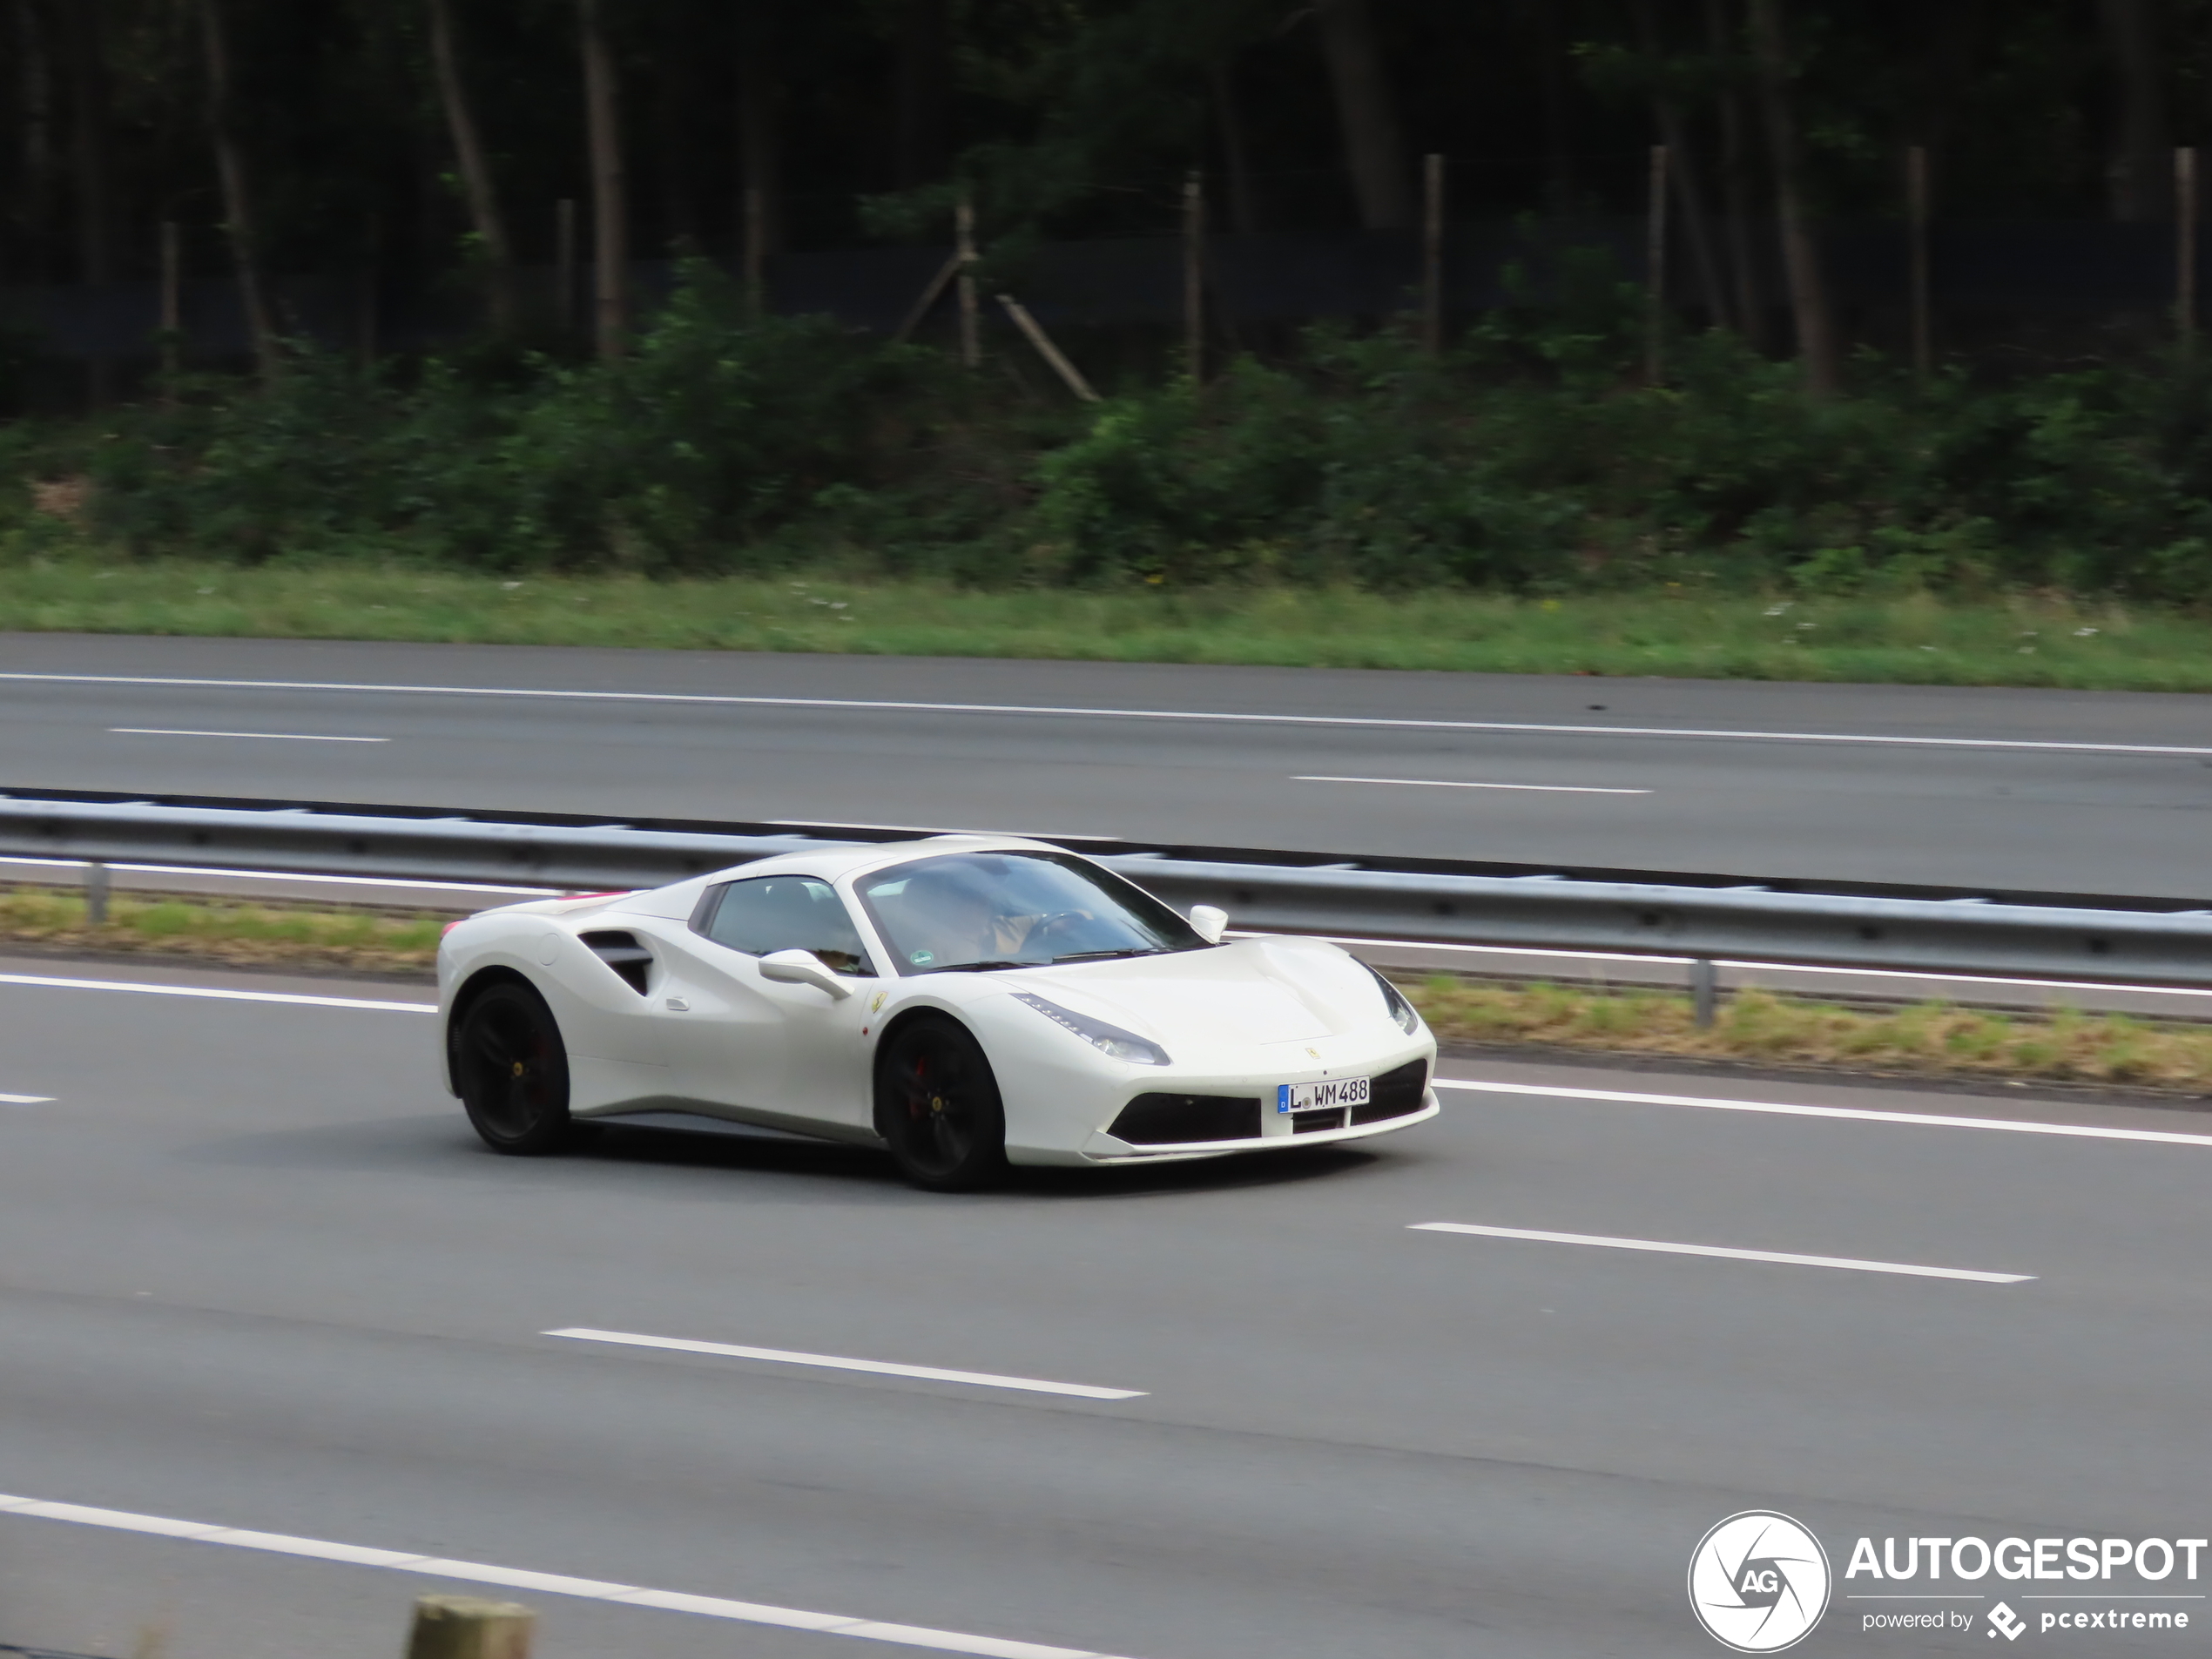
1397,1093
1313,1123
1176,1119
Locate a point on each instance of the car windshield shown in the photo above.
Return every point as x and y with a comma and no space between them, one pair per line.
976,911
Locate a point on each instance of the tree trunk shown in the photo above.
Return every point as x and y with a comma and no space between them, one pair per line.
1736,187
760,134
2139,170
923,96
238,197
1374,146
1236,154
1552,73
1800,256
95,213
675,116
610,196
1674,132
34,66
477,184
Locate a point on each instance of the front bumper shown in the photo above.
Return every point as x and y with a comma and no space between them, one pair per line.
1103,1148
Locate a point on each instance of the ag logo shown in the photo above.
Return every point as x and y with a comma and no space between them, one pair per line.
1758,1582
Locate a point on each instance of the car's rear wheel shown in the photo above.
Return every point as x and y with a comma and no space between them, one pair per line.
937,1104
512,1070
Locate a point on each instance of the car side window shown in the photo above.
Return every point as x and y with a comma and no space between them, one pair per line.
774,913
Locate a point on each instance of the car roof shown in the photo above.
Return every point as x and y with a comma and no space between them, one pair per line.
835,864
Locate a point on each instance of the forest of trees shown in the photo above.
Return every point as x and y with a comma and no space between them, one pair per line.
453,146
424,138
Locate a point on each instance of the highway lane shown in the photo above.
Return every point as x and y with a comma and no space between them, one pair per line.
2056,792
253,1271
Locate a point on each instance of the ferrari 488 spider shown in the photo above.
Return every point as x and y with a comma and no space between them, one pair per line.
967,1002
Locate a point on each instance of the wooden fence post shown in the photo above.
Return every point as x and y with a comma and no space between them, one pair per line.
1655,269
932,291
564,263
756,251
2185,247
971,317
1194,277
1432,255
172,309
1915,211
468,1627
1034,333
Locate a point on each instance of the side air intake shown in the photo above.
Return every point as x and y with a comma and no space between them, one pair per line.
625,955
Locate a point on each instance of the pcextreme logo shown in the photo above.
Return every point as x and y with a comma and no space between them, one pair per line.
1759,1582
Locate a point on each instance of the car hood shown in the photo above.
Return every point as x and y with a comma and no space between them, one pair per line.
1255,991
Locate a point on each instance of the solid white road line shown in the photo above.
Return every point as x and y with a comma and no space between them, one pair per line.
217,994
928,1374
713,1606
280,737
1443,783
939,829
26,1100
1786,1258
1921,1120
891,706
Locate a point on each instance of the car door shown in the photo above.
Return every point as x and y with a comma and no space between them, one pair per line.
770,1049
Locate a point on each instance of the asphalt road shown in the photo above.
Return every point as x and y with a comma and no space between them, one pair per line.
2050,791
255,1272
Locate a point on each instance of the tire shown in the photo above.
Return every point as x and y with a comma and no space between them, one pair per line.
512,1070
937,1104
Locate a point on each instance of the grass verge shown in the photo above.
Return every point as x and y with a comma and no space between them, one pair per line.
243,934
1922,1039
1913,638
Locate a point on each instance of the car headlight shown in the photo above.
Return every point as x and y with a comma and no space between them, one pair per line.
1400,1009
1107,1039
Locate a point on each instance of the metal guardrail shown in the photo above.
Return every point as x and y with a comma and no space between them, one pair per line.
2120,945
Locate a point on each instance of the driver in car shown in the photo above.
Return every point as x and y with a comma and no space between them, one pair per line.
955,922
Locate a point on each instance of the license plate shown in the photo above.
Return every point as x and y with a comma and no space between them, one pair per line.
1313,1097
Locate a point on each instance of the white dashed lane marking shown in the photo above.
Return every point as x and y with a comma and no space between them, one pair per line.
834,1362
1786,1258
1446,783
279,737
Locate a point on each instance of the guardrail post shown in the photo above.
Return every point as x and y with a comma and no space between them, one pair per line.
1703,989
96,894
468,1627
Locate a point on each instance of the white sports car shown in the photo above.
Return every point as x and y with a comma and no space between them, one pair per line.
967,1001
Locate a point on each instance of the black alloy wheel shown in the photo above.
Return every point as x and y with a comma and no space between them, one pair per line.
513,1071
937,1103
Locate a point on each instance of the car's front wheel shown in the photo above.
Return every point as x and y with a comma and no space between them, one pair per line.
937,1104
512,1070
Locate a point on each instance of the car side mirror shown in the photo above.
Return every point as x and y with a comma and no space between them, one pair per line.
1209,923
803,967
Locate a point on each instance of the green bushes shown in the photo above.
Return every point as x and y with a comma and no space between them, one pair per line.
711,441
1529,459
